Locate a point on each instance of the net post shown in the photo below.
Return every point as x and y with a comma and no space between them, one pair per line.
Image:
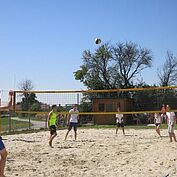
0,124
46,119
10,121
29,118
14,102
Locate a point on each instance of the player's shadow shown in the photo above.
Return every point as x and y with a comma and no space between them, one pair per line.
130,135
164,136
24,140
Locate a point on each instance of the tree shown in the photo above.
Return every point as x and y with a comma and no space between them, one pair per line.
95,72
167,75
29,101
147,100
26,85
168,72
130,61
113,67
36,106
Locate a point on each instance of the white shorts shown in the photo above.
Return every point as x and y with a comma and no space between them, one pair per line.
170,129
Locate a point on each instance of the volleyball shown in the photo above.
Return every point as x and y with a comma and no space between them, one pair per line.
97,40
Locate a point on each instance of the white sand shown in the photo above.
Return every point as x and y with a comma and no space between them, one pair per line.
97,153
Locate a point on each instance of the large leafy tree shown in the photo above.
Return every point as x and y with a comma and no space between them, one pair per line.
130,60
95,73
111,67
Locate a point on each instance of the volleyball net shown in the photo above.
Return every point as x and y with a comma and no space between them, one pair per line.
133,100
95,106
100,106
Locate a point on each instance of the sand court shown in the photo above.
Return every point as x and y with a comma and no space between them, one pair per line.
97,152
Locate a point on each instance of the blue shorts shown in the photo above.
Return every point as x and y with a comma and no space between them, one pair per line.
74,125
1,144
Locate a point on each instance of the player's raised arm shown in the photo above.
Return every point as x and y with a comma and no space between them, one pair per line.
9,104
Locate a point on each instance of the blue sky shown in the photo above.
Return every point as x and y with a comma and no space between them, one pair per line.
43,40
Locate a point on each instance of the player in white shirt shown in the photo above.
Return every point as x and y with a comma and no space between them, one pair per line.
171,120
119,121
73,121
158,121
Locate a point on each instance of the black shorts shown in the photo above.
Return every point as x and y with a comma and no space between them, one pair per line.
72,124
120,124
157,124
53,129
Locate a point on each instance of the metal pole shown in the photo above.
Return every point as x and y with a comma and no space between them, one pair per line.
0,124
10,122
46,121
29,122
14,102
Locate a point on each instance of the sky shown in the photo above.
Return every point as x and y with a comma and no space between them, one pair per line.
43,40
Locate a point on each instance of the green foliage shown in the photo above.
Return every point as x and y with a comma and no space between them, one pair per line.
111,67
35,106
29,102
169,97
118,66
63,109
85,107
153,99
14,124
